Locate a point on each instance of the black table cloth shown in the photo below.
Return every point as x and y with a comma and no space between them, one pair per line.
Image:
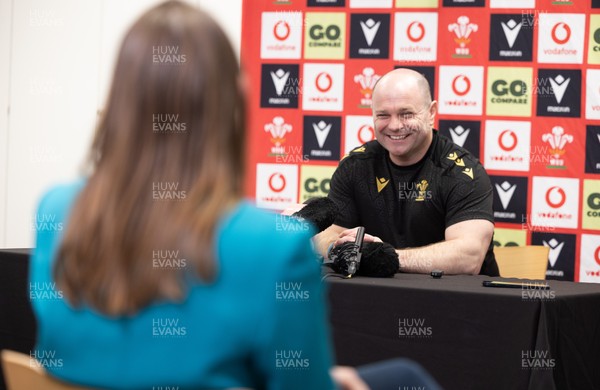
469,336
17,324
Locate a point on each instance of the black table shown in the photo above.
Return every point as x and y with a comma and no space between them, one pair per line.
469,336
17,324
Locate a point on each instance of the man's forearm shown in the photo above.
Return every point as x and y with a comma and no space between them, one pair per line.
452,257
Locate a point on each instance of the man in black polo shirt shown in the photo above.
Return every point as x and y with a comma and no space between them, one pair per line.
414,188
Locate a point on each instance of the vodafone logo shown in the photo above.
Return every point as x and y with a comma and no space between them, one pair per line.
552,209
508,140
277,182
561,33
281,30
323,87
415,31
461,85
276,185
281,35
597,255
365,134
461,90
415,36
323,82
552,194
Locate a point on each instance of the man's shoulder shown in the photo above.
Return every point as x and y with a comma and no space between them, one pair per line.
368,151
456,161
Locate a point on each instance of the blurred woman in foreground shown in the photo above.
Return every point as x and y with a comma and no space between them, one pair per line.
164,276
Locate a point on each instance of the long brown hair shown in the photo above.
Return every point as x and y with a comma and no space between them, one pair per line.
166,163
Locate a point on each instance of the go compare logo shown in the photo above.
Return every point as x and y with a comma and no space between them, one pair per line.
315,181
590,216
325,35
509,91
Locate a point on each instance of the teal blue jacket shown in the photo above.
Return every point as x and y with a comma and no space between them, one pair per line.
262,323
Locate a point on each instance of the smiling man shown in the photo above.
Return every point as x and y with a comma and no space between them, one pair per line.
414,188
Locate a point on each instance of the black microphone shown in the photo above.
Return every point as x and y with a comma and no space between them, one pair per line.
345,258
355,255
321,212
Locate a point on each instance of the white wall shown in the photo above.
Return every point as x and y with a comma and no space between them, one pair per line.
5,41
56,61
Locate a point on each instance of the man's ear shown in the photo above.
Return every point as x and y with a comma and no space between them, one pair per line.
432,113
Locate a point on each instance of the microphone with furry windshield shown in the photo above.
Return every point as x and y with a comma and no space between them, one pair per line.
321,212
347,261
374,259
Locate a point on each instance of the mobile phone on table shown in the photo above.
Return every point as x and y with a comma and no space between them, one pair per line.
521,285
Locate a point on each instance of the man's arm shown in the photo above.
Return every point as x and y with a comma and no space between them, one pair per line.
337,235
462,251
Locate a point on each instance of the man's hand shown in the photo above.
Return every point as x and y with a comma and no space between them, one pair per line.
337,235
349,235
347,378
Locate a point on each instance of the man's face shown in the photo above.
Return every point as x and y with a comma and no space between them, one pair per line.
403,119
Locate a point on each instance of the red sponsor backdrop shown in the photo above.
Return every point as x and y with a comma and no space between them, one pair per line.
518,84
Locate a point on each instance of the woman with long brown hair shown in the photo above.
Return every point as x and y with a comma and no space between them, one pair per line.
164,275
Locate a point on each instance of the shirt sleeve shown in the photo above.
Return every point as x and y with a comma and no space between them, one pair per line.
469,198
297,353
49,224
341,192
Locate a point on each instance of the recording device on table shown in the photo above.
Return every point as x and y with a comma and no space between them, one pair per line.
375,259
321,212
378,259
522,285
346,261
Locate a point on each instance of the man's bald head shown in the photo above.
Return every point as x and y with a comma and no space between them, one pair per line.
405,78
403,115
